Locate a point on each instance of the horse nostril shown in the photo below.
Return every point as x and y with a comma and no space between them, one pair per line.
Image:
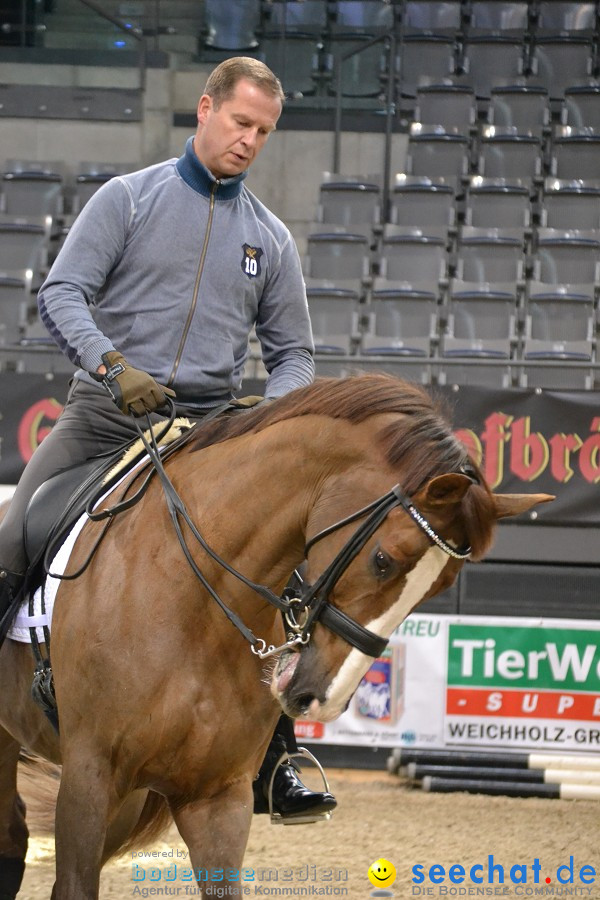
303,701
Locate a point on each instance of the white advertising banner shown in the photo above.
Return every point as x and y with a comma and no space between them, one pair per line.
477,681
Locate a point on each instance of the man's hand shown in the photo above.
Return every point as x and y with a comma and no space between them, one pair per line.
133,390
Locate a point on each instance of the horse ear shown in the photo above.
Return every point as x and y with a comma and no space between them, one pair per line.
446,489
513,504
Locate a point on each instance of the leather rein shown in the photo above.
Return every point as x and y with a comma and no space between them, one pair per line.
310,604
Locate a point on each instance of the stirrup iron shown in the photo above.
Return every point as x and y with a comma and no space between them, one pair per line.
277,818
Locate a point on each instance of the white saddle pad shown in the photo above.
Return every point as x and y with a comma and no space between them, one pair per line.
19,630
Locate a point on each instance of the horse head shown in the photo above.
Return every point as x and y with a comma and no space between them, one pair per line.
443,514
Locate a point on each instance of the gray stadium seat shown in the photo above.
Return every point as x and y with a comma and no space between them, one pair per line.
434,152
424,59
481,320
509,153
423,202
334,316
412,255
581,106
402,319
498,17
490,255
524,107
489,60
570,204
31,188
434,16
558,17
24,244
338,258
232,25
15,300
498,203
452,106
559,61
361,17
296,60
349,203
566,257
304,17
576,153
560,328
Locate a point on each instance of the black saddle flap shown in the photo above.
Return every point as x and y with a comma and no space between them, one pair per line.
58,503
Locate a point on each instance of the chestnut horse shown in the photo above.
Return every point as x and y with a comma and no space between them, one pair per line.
162,703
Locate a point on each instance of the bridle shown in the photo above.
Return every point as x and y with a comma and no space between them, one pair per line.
310,604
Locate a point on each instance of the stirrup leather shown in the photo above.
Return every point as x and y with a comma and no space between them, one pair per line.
277,818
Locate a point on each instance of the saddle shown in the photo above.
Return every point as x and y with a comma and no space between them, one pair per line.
72,491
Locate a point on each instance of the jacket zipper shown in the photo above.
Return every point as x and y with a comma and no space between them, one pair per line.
196,287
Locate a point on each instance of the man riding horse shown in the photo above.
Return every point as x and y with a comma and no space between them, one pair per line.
160,281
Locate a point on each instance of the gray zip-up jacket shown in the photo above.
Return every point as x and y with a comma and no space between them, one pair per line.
173,269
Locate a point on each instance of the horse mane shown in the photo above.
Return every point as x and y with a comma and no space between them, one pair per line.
420,439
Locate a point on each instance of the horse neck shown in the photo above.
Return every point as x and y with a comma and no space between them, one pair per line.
253,495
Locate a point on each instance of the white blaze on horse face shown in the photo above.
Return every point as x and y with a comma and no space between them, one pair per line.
417,583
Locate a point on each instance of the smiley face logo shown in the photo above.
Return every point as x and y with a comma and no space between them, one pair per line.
382,873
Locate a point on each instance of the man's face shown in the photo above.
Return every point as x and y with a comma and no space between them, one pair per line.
229,138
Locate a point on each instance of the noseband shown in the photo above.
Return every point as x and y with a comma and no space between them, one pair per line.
311,604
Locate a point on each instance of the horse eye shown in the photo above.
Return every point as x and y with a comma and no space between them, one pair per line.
381,563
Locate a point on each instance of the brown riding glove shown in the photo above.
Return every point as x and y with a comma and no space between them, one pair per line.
133,390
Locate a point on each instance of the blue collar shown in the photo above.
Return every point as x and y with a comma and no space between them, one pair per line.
202,181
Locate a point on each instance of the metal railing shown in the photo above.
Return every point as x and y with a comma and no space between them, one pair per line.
390,43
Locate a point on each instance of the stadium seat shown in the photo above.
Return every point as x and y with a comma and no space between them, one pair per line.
338,258
32,188
575,153
334,317
349,203
509,153
489,60
570,204
402,319
433,16
412,255
498,203
560,328
424,202
520,106
434,152
493,255
559,61
24,244
303,17
481,320
423,59
15,300
557,17
452,106
232,25
296,59
498,17
566,257
581,106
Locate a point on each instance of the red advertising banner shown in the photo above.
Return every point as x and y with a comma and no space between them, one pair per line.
543,442
29,407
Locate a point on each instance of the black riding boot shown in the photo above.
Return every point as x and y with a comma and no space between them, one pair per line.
291,798
10,588
11,876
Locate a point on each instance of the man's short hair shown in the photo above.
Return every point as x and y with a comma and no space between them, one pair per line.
222,81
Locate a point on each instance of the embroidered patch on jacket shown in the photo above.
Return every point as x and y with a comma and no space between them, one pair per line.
251,260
